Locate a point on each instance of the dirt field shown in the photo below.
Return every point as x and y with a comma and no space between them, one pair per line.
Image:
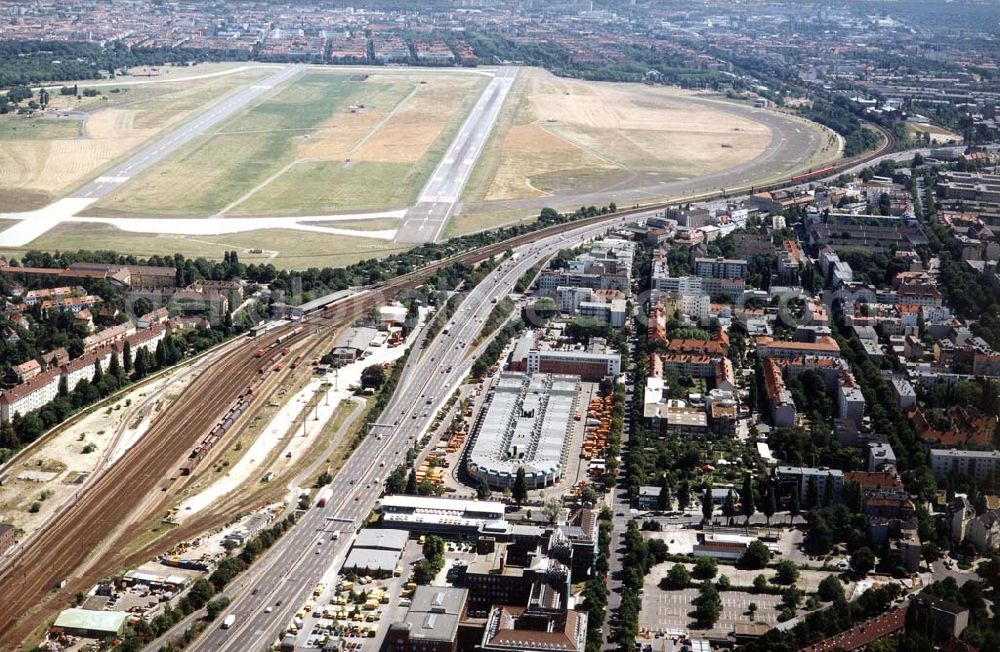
938,134
322,144
288,249
42,158
560,135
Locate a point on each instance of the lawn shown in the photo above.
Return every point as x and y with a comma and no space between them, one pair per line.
243,152
44,158
285,248
320,144
383,166
559,136
19,127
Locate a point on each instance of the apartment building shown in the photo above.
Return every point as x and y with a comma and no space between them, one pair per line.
850,399
779,398
41,388
828,481
720,267
825,347
966,463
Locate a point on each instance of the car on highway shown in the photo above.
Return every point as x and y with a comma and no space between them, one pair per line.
268,610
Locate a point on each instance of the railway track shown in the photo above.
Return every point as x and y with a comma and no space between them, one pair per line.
93,532
96,528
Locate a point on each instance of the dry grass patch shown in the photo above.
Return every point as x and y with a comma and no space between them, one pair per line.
295,249
55,156
587,134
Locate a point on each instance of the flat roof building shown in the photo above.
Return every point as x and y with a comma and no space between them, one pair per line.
442,515
974,464
369,561
382,539
376,551
432,622
527,423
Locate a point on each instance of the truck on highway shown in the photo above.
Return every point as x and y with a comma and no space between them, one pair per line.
228,622
325,495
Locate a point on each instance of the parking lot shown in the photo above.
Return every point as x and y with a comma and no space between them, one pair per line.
808,580
673,610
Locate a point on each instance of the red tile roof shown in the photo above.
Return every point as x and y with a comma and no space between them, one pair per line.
863,634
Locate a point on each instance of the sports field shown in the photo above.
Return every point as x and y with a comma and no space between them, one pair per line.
45,157
558,136
322,144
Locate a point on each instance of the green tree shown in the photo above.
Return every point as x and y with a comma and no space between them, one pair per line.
373,377
483,490
552,509
127,357
830,589
678,577
664,492
729,507
768,503
706,568
217,606
748,498
756,556
706,506
708,605
520,490
114,367
862,561
793,505
683,495
423,573
787,572
433,550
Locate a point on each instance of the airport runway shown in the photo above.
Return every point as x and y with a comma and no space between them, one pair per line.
425,221
41,221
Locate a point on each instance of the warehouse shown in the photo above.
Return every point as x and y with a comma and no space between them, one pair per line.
526,424
376,551
382,539
367,561
91,624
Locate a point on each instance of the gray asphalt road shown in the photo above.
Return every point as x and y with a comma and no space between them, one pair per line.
426,220
292,568
173,141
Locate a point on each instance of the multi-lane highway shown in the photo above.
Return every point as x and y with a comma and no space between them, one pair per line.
425,221
41,221
288,572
